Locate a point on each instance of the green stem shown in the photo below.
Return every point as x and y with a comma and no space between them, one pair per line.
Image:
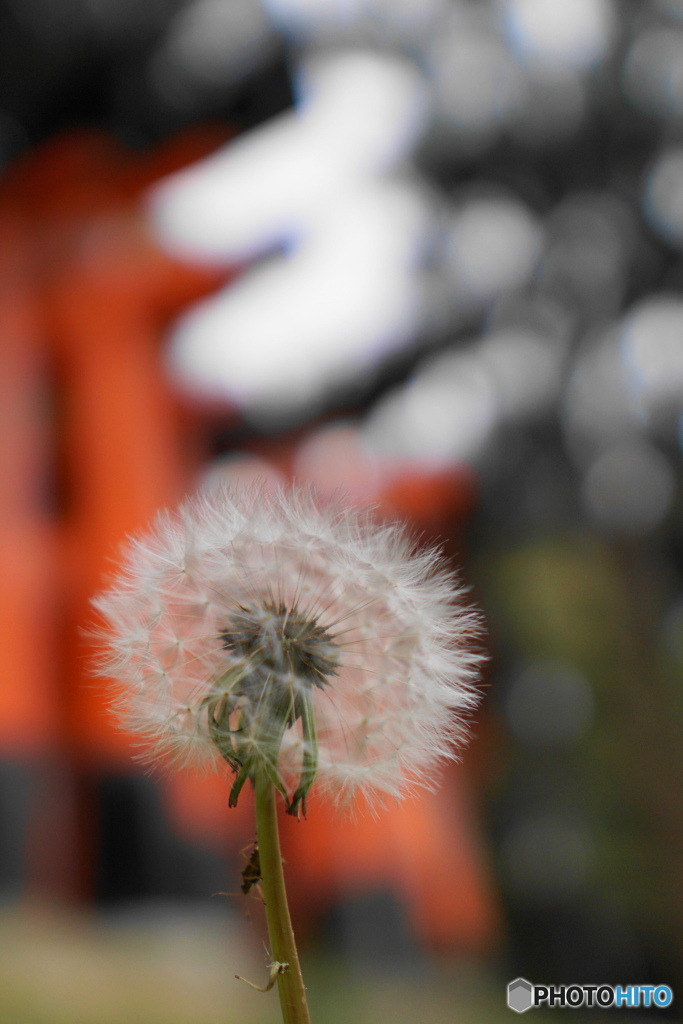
283,948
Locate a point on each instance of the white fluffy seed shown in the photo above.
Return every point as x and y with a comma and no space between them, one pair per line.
403,638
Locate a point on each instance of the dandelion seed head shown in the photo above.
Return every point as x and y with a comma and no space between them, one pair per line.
275,629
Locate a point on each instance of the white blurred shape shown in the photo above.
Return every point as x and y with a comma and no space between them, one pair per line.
629,488
573,34
653,71
549,705
347,291
361,112
295,326
548,858
652,351
368,108
663,196
492,248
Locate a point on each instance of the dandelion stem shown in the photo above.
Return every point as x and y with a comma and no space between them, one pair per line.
283,948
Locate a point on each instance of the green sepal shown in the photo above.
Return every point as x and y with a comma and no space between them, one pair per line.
243,774
309,764
218,714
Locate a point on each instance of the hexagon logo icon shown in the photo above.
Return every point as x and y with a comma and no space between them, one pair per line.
520,995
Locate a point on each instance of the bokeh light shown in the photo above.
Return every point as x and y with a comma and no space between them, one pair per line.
629,488
652,351
598,409
567,33
492,248
663,195
477,83
653,71
209,46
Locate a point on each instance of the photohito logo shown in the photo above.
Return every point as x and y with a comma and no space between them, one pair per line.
522,995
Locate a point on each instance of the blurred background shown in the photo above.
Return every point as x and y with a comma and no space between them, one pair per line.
424,251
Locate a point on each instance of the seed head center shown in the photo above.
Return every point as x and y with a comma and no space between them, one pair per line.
283,641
